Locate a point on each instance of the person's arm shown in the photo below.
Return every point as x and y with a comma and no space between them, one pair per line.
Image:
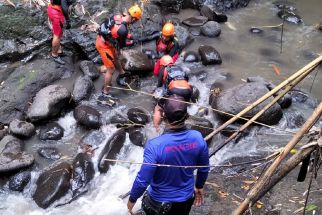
174,49
203,160
157,117
153,36
160,77
64,6
122,33
145,175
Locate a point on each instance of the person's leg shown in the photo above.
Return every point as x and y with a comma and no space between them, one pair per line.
157,117
108,80
182,208
55,46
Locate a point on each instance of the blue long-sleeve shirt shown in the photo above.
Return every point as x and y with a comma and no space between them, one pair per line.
171,184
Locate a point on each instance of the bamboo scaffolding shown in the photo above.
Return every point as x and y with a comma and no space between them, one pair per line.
309,66
256,116
264,180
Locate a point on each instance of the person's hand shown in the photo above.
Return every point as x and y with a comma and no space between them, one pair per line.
199,198
68,25
130,206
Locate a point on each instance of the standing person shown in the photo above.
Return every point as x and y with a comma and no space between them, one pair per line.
174,81
166,44
113,35
58,15
171,190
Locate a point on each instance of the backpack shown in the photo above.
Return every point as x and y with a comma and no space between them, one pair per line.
105,30
175,73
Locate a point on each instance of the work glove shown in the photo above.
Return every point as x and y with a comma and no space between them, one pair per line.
68,25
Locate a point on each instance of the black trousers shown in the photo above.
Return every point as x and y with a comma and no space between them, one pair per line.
152,207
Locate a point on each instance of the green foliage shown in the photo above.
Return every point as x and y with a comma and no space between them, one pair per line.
311,207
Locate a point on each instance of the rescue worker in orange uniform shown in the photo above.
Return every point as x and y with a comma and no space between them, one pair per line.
166,44
58,15
175,81
113,35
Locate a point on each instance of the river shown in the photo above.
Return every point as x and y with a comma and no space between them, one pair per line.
244,54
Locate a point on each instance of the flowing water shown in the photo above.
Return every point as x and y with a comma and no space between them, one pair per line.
244,54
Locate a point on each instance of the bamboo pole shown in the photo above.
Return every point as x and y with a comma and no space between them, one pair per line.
270,171
256,116
312,64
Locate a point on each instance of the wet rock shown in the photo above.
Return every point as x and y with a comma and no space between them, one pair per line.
12,158
22,128
191,57
52,131
239,97
193,4
303,98
171,6
89,69
19,181
195,94
290,16
52,184
202,112
294,119
83,173
210,12
48,102
255,30
93,138
119,120
3,132
211,29
111,149
150,22
184,37
22,85
195,21
152,54
83,89
200,75
85,42
87,116
230,129
194,31
137,136
320,26
261,80
209,55
204,126
136,62
285,101
137,116
215,90
286,5
220,5
49,153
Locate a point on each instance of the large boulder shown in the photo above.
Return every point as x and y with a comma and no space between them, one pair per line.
12,157
137,136
21,128
241,96
211,29
22,85
204,126
210,12
52,184
19,181
51,131
83,88
196,21
184,37
48,102
136,62
87,116
111,149
209,55
171,6
85,41
83,173
89,69
93,138
138,116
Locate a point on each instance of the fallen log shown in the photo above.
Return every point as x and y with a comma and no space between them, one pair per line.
264,180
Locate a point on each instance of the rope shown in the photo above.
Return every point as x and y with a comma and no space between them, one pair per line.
191,103
195,167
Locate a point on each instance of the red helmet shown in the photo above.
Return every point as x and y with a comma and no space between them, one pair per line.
166,60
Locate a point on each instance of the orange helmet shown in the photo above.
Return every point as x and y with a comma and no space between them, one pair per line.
135,11
166,60
168,29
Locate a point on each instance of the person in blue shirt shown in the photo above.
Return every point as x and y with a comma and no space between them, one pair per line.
172,190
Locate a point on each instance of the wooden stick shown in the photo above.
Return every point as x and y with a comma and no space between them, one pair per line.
311,65
270,171
256,116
